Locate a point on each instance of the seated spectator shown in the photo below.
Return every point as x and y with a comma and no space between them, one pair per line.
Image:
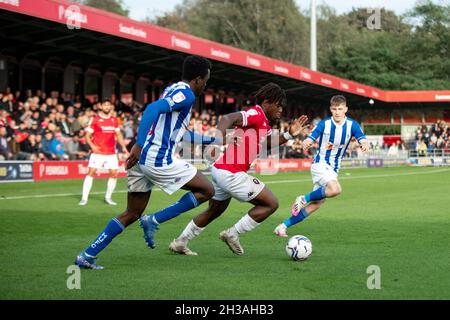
74,149
393,149
422,148
63,124
5,147
47,145
56,147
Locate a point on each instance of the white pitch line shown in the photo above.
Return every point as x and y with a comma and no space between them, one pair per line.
363,177
266,182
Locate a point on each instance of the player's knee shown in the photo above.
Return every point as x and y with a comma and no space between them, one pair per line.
337,190
334,190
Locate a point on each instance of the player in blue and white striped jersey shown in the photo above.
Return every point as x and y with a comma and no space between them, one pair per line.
334,135
151,162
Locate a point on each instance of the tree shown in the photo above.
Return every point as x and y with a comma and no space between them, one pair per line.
273,28
114,6
408,52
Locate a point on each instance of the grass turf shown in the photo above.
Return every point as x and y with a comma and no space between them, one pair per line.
395,218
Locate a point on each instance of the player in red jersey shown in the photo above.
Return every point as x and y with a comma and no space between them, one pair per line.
101,136
229,173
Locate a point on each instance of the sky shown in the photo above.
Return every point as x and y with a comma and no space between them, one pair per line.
139,9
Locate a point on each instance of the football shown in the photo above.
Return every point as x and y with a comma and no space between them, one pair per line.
299,248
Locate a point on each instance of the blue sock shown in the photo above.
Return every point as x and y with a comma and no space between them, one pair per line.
186,203
113,228
316,195
302,215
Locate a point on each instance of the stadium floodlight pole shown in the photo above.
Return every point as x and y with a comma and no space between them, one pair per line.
313,42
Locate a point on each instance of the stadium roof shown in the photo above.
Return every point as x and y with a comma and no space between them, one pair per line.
55,28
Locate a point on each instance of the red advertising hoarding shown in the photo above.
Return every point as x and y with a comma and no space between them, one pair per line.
279,165
62,170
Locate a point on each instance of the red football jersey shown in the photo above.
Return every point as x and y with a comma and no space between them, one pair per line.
104,133
254,130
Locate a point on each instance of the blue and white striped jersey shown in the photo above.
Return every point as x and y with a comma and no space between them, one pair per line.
334,140
169,127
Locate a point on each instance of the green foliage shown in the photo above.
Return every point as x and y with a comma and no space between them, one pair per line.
382,129
272,28
410,52
114,6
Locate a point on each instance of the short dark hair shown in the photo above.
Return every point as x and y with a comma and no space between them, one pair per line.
195,66
337,100
106,101
272,93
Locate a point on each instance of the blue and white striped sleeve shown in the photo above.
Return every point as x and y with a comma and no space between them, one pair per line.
357,132
180,99
318,131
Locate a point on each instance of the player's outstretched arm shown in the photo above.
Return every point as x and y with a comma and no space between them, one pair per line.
196,138
228,121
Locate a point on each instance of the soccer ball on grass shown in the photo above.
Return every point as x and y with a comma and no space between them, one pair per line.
299,248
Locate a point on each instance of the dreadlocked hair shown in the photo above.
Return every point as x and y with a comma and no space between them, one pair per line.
272,93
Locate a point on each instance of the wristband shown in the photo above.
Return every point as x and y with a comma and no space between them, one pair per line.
288,136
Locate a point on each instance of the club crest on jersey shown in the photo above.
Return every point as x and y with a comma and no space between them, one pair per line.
179,97
330,146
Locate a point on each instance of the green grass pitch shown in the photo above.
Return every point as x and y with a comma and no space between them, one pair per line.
395,218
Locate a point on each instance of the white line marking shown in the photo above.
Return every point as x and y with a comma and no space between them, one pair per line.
363,177
266,182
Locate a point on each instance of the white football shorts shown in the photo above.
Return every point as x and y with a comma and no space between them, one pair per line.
322,173
107,161
169,178
239,185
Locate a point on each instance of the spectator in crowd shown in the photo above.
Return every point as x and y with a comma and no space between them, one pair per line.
296,150
47,145
421,148
56,147
74,148
5,147
63,124
393,149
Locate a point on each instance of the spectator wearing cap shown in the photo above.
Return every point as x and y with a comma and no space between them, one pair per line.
34,128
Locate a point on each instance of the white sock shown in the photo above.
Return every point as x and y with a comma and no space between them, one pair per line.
190,232
110,186
87,185
246,224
